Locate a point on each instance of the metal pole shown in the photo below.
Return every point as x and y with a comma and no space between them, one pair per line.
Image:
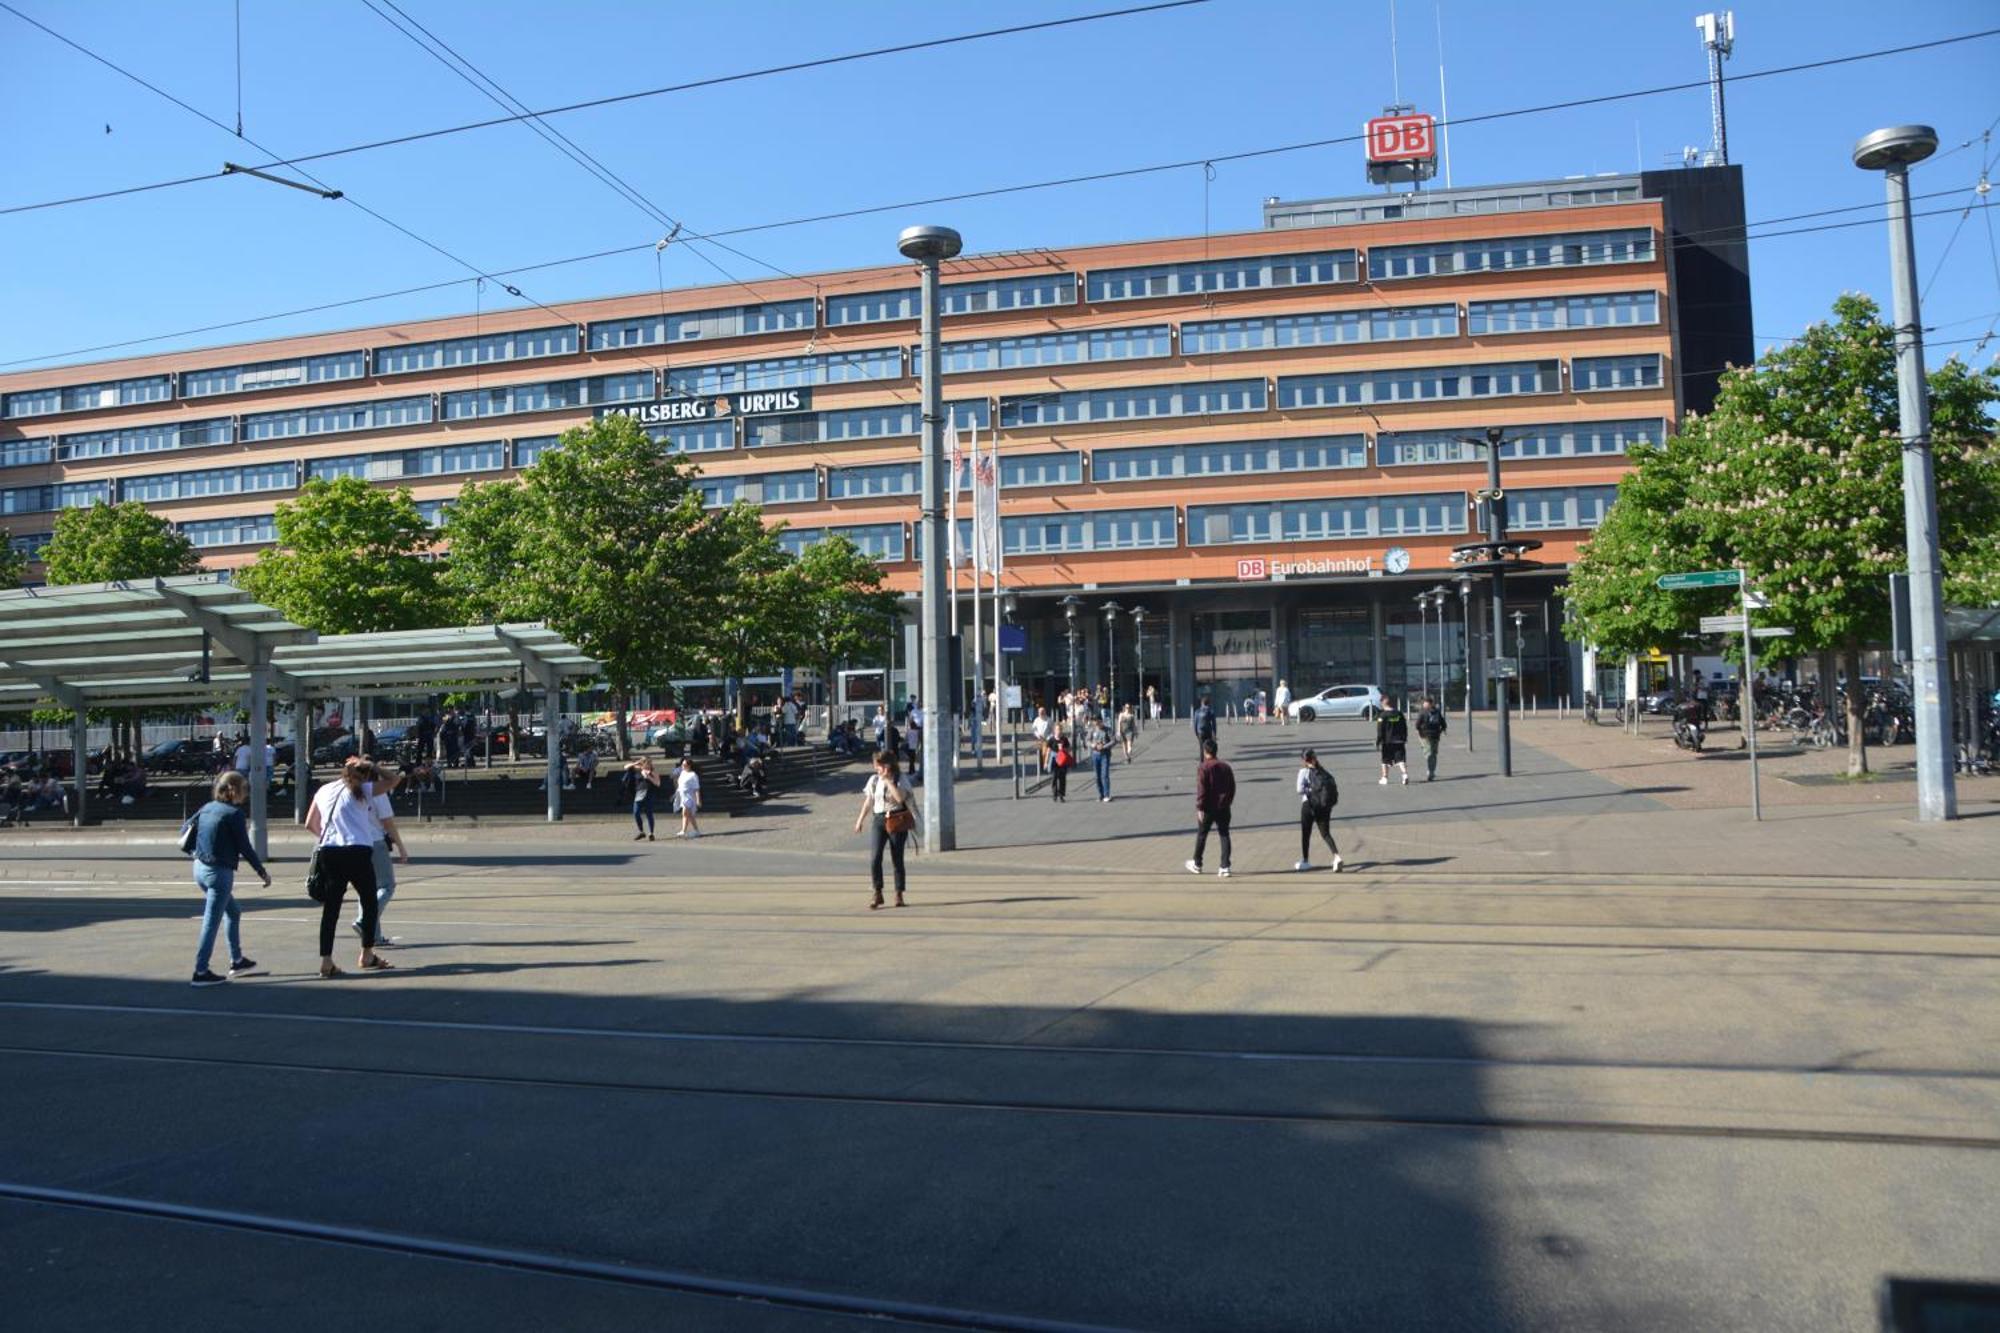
260,772
1937,795
928,246
1746,702
551,708
79,767
1496,530
301,758
1465,623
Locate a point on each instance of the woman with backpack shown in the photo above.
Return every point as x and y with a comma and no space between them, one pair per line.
889,809
1318,794
1061,755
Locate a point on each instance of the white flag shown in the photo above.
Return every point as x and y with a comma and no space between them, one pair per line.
954,460
985,506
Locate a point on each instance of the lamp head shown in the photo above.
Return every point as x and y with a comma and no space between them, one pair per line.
929,244
1896,146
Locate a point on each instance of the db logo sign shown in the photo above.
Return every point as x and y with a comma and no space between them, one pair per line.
1401,138
1254,568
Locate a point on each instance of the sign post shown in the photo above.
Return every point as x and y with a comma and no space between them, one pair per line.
1747,701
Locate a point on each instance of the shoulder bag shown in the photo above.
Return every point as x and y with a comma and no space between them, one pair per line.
899,818
319,885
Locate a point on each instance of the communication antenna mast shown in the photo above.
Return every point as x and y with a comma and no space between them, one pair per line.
1718,35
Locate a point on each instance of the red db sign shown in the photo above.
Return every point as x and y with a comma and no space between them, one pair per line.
1254,568
1401,138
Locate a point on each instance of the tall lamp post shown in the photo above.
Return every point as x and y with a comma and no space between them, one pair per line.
1465,623
1111,612
1423,647
1438,600
1520,659
1139,664
1069,605
1498,556
1891,152
930,246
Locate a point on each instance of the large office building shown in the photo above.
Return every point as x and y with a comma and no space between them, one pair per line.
1258,438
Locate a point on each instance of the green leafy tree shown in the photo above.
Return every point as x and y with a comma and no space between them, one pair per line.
485,530
102,543
1796,477
348,561
13,564
760,618
843,612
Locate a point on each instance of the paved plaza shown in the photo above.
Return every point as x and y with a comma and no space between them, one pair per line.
1565,1051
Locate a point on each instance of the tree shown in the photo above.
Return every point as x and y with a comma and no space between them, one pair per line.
485,530
13,564
348,561
1796,477
843,612
616,553
761,612
103,543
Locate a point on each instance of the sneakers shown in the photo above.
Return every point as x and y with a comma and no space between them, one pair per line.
1193,867
243,967
1105,799
207,978
1222,873
1406,779
1302,865
1382,781
1336,864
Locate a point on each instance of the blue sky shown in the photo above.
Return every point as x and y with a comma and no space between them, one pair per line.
1218,78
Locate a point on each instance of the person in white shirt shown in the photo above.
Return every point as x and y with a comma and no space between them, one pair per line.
886,796
1318,793
386,840
687,799
1283,700
241,763
1040,727
341,818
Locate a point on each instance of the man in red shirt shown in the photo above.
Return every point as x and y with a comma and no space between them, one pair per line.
1214,793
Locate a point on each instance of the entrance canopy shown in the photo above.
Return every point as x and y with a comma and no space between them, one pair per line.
200,639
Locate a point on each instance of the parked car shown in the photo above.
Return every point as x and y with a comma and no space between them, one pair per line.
180,756
1338,701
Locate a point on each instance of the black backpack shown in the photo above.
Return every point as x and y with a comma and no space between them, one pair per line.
1322,793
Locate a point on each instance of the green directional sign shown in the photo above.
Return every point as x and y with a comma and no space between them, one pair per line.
1701,578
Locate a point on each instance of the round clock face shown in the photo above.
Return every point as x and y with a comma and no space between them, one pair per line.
1396,560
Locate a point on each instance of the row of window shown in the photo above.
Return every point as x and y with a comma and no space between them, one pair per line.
547,395
1050,349
785,372
1356,388
437,461
1138,282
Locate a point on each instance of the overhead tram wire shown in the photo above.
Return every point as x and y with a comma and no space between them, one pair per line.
617,98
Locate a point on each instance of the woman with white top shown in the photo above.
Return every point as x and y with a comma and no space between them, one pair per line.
889,809
340,815
687,798
1318,794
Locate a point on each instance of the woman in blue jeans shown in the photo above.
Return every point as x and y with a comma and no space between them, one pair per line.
221,840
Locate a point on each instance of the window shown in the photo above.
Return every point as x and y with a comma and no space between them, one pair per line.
529,450
327,420
273,374
734,321
1413,384
432,512
954,298
1089,530
249,530
1554,508
1040,470
27,500
1408,448
86,397
446,459
695,437
1561,250
1614,372
883,541
782,488
854,423
30,544
160,486
1319,330
518,345
548,396
719,492
873,363
1138,401
1539,314
1326,520
345,465
851,483
1051,349
1222,275
145,439
21,453
1310,454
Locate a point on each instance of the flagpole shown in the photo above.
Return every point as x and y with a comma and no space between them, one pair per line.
978,675
997,559
951,546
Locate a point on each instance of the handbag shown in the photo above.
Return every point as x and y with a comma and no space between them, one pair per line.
319,887
189,833
898,818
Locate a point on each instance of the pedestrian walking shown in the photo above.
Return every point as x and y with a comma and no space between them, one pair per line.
1061,756
1263,706
1392,739
1283,702
1431,726
340,819
387,842
1097,740
1203,722
220,841
1318,794
1128,730
1214,794
1041,727
641,784
889,809
913,737
687,799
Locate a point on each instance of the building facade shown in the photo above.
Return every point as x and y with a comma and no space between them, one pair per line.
1256,438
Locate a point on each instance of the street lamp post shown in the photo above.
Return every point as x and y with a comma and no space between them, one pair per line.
1520,659
1423,647
1891,152
1139,664
1003,674
1438,600
1465,622
930,246
1111,611
1069,605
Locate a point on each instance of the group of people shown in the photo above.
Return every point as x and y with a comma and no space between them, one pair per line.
1081,729
642,781
34,791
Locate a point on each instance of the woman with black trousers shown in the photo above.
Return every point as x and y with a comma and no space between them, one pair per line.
1062,756
885,800
339,815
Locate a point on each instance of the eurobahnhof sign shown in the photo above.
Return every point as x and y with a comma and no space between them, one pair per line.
712,407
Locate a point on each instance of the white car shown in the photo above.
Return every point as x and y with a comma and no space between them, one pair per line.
1338,701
